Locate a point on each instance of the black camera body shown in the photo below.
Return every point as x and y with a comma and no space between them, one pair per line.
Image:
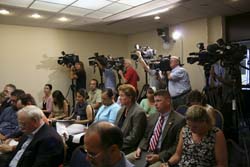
116,63
146,52
161,64
68,59
229,54
100,58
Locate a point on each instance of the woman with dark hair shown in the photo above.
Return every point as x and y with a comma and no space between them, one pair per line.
148,104
83,112
60,108
78,74
200,143
47,100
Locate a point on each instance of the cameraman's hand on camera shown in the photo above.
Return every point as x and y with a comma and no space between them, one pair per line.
138,53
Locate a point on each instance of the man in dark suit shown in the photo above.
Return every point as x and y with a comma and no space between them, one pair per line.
40,145
161,137
130,118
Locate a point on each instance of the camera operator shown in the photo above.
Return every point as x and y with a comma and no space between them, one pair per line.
108,74
154,75
78,74
178,82
130,76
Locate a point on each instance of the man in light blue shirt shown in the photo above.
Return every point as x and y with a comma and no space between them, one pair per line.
178,83
109,109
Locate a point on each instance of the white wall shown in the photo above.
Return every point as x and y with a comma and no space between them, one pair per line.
29,55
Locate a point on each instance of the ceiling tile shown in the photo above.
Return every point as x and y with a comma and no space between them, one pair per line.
76,11
18,3
98,15
63,2
115,8
52,7
91,4
134,2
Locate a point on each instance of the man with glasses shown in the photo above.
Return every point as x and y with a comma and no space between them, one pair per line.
102,143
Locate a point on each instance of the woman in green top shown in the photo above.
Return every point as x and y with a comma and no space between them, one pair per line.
148,103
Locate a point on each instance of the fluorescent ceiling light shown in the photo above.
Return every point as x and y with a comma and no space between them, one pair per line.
4,12
154,12
115,8
98,15
91,4
76,11
64,2
36,16
134,2
63,19
52,7
18,3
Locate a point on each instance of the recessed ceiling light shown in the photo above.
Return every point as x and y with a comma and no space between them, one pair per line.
157,17
4,12
63,19
36,16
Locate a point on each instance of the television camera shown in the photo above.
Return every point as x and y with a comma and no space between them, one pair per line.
68,59
146,52
162,63
116,63
229,54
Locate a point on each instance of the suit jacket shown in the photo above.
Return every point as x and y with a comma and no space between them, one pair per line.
45,150
170,134
133,127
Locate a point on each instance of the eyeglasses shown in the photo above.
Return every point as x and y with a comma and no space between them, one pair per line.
92,155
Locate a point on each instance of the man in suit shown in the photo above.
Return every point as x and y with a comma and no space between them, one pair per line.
161,137
40,144
130,118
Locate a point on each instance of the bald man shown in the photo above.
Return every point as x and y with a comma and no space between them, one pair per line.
103,142
178,83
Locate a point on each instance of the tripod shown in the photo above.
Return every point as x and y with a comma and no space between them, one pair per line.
144,89
72,87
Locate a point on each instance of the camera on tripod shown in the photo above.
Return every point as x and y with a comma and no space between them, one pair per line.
100,58
116,63
229,54
146,52
68,59
160,64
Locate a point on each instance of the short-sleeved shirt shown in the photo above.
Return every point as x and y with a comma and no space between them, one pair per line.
94,96
179,82
107,113
148,109
132,77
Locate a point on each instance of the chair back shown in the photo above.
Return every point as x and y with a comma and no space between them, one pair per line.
219,119
182,109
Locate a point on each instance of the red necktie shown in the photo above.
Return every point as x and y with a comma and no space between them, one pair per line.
156,136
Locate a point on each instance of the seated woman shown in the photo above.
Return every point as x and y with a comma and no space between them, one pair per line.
195,97
200,143
148,104
47,100
60,106
77,121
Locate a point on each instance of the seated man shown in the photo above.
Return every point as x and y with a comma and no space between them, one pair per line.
8,118
103,142
40,145
131,118
108,111
161,137
94,95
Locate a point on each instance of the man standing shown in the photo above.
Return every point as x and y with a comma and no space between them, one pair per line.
130,76
103,142
161,136
178,82
40,144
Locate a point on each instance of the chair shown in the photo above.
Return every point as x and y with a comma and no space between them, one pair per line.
219,119
182,109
